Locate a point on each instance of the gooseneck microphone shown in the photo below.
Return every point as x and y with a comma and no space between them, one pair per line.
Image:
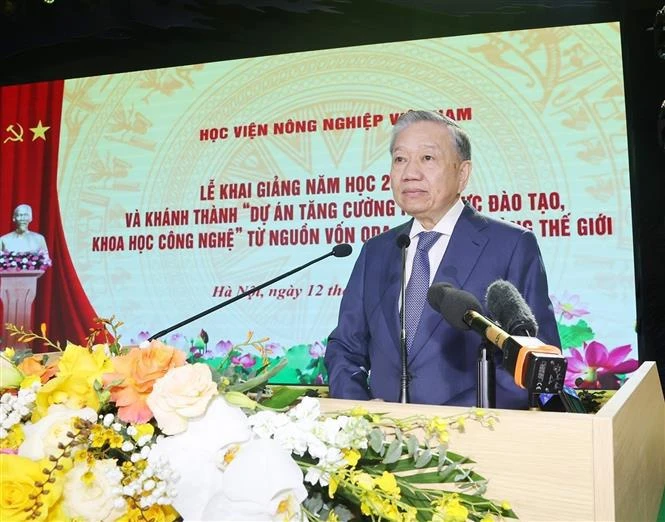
341,250
535,366
403,242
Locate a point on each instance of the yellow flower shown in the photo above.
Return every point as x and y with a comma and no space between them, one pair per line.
456,512
505,505
351,456
410,514
99,435
388,483
78,360
155,513
142,430
439,427
332,486
488,518
358,411
74,391
19,478
14,438
388,510
116,440
29,381
460,423
332,517
9,353
364,481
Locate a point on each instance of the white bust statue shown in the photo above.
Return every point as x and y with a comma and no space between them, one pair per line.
22,239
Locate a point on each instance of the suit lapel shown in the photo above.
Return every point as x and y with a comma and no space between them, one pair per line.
392,277
464,248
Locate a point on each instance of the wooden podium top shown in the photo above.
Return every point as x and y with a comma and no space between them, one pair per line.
566,466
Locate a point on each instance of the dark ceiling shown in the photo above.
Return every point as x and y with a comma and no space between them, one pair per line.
73,38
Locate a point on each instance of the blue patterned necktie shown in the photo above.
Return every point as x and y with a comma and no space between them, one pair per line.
416,290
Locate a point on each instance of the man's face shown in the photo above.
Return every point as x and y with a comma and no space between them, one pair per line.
22,218
426,173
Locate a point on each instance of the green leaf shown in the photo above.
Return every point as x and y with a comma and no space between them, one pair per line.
419,499
435,477
394,452
574,336
424,459
260,379
376,438
443,450
284,396
412,445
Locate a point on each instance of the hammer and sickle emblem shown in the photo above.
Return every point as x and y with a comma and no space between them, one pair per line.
16,136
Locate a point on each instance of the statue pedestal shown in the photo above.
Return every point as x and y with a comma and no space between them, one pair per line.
17,292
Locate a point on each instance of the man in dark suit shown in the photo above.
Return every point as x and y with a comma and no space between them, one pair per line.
431,165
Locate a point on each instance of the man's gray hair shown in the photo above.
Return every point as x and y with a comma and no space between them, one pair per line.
22,206
462,143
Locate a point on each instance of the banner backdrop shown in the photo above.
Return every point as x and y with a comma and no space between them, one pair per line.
182,187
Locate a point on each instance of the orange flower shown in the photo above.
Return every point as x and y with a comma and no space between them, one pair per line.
33,366
133,377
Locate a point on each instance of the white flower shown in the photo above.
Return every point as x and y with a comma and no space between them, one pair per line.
42,437
293,438
331,461
88,492
266,423
183,393
308,410
276,496
192,454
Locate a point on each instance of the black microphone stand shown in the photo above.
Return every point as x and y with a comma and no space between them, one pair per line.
486,374
337,252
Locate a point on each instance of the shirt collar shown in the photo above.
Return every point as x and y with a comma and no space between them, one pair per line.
445,225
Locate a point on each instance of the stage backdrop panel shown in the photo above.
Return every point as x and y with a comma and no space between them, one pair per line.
182,187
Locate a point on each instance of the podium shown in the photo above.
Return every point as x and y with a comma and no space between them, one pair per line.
608,466
17,293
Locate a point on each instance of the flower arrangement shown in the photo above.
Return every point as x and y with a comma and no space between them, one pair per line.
17,261
151,433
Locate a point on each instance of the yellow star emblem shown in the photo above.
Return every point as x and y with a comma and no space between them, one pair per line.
39,131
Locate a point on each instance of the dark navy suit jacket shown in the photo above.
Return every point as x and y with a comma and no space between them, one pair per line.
442,361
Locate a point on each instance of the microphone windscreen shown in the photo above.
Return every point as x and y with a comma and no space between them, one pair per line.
452,303
342,250
506,305
403,241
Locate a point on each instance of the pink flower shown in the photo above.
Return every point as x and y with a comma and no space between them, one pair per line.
221,349
142,336
598,368
246,361
273,350
569,307
317,350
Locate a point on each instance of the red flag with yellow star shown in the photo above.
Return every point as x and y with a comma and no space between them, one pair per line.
29,140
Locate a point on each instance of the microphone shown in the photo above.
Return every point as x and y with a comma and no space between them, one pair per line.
453,305
535,366
341,250
403,241
508,307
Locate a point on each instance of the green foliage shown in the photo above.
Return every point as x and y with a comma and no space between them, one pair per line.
574,336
